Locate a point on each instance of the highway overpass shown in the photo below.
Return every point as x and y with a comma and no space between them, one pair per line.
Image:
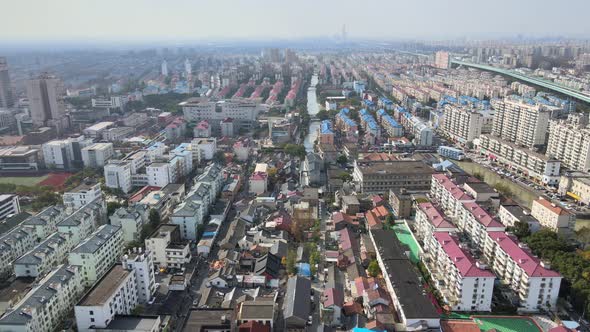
536,81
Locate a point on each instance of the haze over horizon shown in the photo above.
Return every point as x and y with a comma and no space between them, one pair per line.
183,20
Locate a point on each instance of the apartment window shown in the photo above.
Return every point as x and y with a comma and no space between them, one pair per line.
91,312
92,320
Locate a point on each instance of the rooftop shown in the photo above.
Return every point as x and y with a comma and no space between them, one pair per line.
104,289
435,216
554,208
133,323
96,239
394,167
402,274
463,261
520,254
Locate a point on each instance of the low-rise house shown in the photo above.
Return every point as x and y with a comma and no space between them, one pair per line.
552,216
297,303
331,306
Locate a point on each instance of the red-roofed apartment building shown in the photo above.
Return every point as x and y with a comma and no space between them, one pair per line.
430,219
467,285
535,283
448,194
552,216
476,221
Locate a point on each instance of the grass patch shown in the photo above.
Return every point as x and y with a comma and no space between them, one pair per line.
23,180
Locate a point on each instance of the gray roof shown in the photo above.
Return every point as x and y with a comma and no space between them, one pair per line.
12,222
97,239
14,236
42,250
188,208
133,323
402,274
297,298
38,297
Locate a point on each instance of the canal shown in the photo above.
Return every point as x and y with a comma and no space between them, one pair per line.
312,109
523,196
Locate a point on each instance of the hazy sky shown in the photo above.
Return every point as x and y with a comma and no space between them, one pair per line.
194,20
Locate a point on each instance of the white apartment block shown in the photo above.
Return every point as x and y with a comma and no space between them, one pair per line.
83,221
131,219
213,176
509,215
552,216
243,112
476,222
520,122
465,284
9,205
461,125
61,153
97,155
189,215
449,195
117,174
46,221
430,219
536,285
96,130
48,304
97,253
167,248
184,152
87,192
160,174
203,149
15,244
528,162
570,143
115,294
142,264
43,257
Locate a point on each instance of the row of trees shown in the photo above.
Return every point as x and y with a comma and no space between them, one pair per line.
572,263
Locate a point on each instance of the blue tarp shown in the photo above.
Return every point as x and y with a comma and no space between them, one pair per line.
304,270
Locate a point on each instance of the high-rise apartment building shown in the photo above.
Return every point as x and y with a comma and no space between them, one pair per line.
569,141
462,125
46,104
6,97
520,122
442,60
164,68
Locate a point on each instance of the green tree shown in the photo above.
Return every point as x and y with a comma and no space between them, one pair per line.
520,229
342,159
344,176
296,150
390,219
154,218
374,269
112,207
291,261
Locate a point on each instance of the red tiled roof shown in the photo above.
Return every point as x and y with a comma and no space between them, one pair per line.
372,220
333,296
462,260
552,207
481,215
521,256
435,216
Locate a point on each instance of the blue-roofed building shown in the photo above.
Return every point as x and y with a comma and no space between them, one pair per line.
358,87
393,128
326,132
372,129
347,126
385,103
451,152
369,104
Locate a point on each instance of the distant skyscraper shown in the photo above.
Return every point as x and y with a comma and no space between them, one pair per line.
187,67
442,60
164,68
45,102
6,98
343,32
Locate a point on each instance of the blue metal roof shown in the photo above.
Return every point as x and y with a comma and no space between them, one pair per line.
326,127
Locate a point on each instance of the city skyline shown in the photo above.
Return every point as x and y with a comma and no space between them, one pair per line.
180,20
